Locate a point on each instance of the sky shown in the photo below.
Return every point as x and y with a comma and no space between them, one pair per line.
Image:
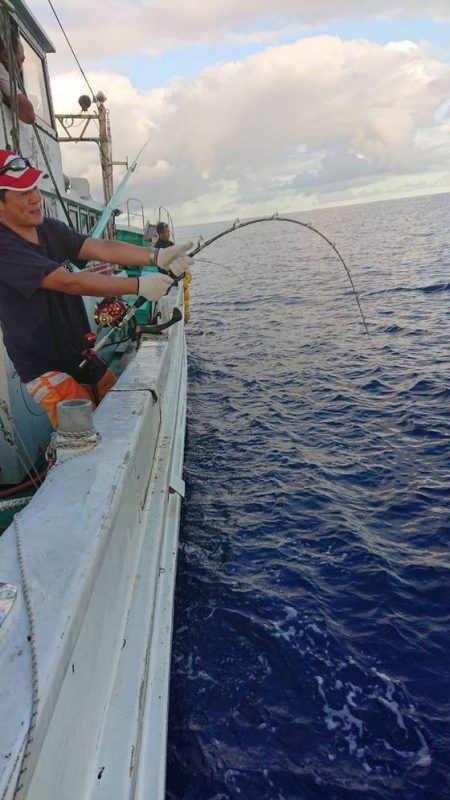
254,107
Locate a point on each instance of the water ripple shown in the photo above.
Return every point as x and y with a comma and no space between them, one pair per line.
311,645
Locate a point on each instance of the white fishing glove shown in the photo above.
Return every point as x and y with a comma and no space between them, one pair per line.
180,265
164,257
154,286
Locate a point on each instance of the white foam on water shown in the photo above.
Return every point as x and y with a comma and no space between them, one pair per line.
340,718
265,664
291,613
424,755
354,690
315,628
410,755
199,675
392,706
266,775
286,635
230,780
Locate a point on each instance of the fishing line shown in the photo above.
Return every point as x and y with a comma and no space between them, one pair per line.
222,266
276,218
73,51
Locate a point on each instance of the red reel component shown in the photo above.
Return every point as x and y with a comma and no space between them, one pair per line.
109,311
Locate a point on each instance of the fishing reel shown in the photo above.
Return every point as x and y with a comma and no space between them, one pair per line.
110,311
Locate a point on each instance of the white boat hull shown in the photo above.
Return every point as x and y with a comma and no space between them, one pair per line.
100,544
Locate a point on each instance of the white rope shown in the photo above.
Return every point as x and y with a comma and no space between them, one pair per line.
5,505
34,667
64,440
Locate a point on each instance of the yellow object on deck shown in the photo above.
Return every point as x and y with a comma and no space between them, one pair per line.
186,281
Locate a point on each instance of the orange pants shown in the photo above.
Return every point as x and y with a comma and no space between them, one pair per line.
52,387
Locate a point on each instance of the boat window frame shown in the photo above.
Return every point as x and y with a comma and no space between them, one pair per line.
78,212
93,219
28,39
73,210
50,205
84,219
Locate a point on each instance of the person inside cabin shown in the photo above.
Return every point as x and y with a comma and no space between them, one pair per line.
42,313
24,106
163,231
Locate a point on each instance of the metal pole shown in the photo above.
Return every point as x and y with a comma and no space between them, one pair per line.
105,146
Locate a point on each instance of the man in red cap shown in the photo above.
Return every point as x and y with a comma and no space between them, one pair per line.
42,314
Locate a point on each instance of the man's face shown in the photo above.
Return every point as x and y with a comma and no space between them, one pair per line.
22,209
164,234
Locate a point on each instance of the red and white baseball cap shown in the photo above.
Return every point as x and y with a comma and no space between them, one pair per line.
17,173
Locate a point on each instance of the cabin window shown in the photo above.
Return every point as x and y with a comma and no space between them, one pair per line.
35,83
84,222
50,207
73,214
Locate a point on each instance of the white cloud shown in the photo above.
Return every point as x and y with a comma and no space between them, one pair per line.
152,26
322,113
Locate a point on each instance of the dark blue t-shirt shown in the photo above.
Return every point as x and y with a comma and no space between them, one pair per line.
43,330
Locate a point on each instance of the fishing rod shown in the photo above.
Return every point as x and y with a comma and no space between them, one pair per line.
124,316
120,322
101,224
117,313
277,218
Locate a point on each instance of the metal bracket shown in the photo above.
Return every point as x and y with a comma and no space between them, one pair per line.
177,485
177,316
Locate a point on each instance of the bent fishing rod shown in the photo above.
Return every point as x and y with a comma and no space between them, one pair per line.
201,245
277,218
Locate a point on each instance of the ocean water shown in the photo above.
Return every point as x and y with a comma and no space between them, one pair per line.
311,654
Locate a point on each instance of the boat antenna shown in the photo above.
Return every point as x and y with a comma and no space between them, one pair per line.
276,218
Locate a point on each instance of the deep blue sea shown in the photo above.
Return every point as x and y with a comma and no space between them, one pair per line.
311,654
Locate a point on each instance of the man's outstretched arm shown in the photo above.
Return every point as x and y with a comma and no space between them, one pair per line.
91,284
25,109
130,255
